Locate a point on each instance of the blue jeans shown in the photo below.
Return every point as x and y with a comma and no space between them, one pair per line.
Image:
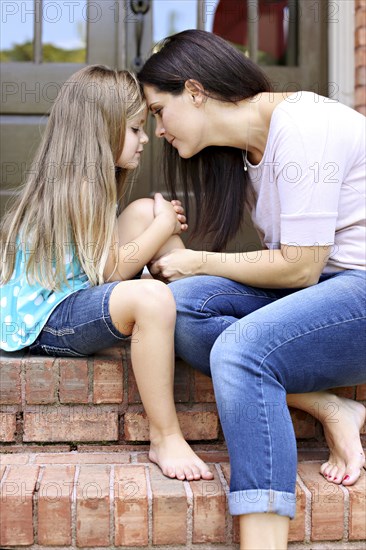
80,325
259,345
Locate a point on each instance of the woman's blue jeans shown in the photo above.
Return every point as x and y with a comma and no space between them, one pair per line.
258,345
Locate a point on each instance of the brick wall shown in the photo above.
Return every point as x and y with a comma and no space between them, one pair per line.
360,56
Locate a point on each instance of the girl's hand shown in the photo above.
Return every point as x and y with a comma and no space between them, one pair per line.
179,263
171,210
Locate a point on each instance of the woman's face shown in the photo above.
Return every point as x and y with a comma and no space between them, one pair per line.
177,119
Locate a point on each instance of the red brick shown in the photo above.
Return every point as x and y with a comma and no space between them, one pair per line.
14,459
169,501
10,387
16,506
93,506
195,425
360,96
54,505
297,525
14,449
347,391
7,427
357,509
360,57
360,37
360,5
41,380
236,524
361,109
203,388
131,506
133,392
107,381
361,392
304,424
181,383
209,510
111,448
83,458
73,380
71,423
361,76
360,18
327,504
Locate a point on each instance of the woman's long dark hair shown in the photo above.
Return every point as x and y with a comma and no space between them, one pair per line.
215,174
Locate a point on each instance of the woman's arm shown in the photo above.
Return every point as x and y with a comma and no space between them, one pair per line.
290,267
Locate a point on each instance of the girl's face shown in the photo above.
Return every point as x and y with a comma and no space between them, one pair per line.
177,120
135,139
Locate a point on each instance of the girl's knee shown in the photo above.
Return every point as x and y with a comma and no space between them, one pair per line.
141,208
155,297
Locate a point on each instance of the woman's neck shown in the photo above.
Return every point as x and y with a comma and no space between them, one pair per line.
244,125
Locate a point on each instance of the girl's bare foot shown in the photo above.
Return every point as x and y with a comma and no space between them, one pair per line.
176,459
342,421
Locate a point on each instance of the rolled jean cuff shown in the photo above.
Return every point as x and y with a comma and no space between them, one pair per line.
255,501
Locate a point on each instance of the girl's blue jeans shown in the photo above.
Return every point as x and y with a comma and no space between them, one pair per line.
258,345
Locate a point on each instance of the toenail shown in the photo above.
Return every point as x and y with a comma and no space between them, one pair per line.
345,478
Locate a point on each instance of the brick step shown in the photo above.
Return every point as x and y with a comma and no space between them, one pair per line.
95,401
121,500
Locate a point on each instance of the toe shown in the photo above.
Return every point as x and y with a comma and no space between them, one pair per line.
326,469
207,474
188,473
351,476
335,474
179,474
196,472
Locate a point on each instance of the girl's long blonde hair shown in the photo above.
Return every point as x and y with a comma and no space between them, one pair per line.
72,191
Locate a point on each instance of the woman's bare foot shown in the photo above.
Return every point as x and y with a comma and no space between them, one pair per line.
342,421
176,459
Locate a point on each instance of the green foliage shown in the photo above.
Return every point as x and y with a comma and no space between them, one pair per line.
51,54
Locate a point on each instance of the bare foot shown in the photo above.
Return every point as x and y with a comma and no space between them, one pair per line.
342,427
176,459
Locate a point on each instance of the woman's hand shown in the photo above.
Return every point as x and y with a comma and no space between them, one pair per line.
177,264
171,210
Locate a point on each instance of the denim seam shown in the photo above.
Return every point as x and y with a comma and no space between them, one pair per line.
120,336
309,332
56,332
230,294
269,435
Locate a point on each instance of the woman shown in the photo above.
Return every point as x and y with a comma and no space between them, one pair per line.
289,318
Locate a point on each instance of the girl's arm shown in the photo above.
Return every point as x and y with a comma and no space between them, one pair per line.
289,267
145,227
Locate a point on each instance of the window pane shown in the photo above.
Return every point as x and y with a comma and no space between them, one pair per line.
17,26
277,28
64,31
170,17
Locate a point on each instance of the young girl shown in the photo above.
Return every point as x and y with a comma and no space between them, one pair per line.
289,318
69,263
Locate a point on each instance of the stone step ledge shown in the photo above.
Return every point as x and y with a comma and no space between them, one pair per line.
95,399
120,500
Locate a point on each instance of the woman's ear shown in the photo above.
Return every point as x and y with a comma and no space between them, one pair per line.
196,90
